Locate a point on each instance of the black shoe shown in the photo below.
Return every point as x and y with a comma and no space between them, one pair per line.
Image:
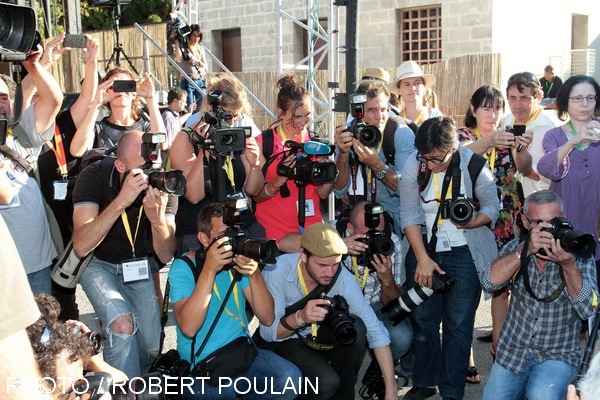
419,393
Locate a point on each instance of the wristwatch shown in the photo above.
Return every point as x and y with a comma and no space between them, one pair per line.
381,174
517,254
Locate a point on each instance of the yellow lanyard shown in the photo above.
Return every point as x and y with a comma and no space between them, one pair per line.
228,167
357,275
313,325
416,121
436,186
237,301
533,117
491,158
128,229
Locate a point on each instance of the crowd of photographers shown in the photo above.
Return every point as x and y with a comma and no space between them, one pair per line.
108,185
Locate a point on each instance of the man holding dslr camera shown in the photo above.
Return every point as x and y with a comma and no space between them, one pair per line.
322,320
198,291
377,267
127,223
552,281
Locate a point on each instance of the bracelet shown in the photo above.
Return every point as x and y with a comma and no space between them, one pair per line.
267,192
298,322
286,325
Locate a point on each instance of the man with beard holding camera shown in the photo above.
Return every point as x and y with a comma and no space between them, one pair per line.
552,290
198,291
380,279
127,223
324,337
373,173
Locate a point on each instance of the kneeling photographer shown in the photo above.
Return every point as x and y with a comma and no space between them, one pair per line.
322,320
459,246
552,278
127,237
209,291
376,259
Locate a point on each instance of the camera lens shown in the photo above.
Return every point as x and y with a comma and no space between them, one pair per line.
227,140
370,136
461,211
579,243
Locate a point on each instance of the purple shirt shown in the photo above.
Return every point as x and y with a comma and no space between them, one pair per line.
576,180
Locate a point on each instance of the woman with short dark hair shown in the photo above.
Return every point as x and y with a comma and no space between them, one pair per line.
462,251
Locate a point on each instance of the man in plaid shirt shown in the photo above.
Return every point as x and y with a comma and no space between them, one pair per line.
382,281
538,351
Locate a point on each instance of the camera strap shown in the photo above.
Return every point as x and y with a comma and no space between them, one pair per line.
524,272
452,173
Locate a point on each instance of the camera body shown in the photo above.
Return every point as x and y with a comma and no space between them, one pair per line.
221,137
303,168
264,251
379,242
369,135
579,243
459,210
178,30
171,364
172,181
339,319
516,130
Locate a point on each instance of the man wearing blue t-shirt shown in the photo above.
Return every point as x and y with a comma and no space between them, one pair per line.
196,304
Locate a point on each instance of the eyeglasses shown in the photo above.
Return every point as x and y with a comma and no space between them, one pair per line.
590,99
375,110
526,76
535,221
433,160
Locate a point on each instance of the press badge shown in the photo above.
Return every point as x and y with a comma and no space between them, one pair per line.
443,242
135,270
60,190
309,208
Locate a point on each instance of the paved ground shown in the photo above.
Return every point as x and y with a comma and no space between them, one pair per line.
483,323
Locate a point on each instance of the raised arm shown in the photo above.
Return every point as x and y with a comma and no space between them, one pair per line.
90,82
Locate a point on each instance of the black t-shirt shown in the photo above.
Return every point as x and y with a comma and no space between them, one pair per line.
92,187
109,134
50,172
551,89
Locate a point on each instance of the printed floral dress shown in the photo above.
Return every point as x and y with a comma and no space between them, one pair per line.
509,224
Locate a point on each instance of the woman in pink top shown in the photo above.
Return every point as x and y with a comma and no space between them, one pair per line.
277,208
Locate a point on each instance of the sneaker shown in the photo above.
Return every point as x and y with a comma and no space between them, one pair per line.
419,393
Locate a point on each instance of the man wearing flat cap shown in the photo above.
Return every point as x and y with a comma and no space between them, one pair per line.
303,332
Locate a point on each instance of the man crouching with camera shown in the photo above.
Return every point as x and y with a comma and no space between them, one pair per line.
209,297
551,275
322,320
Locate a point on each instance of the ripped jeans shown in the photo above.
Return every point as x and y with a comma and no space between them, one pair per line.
111,298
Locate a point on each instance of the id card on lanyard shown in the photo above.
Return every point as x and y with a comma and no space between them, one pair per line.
134,269
60,186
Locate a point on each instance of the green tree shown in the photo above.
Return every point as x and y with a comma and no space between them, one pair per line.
140,11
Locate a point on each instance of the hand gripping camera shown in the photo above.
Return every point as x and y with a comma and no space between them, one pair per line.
264,251
369,135
398,309
172,181
379,242
221,138
339,319
302,168
579,243
459,210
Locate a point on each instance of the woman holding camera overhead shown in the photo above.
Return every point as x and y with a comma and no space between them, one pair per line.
200,165
277,203
433,207
572,153
192,60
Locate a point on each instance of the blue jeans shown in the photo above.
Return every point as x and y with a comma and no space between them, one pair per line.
40,281
193,95
538,381
111,298
271,373
401,335
444,364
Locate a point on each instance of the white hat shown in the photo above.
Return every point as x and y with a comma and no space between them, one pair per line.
410,69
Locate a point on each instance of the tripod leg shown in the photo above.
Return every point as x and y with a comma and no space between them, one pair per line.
110,60
129,61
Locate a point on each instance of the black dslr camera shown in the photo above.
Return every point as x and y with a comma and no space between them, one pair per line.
398,309
172,181
379,242
579,243
95,338
18,32
178,30
369,135
264,251
148,386
221,138
339,319
459,210
303,169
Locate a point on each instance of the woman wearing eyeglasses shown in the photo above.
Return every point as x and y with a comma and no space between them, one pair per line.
461,251
572,153
199,165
